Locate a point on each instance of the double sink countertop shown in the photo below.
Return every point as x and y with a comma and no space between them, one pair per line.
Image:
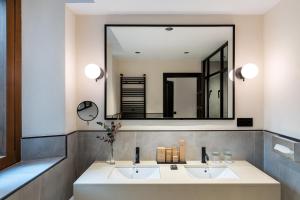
99,174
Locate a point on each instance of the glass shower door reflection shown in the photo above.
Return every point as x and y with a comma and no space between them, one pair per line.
214,85
214,96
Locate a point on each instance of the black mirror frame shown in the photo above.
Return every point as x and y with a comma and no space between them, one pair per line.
106,26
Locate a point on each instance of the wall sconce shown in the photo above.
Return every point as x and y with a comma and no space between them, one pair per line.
93,71
248,71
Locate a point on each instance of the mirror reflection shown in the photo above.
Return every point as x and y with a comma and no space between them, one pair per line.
169,72
87,111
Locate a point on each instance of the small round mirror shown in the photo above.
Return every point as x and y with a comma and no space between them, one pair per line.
87,111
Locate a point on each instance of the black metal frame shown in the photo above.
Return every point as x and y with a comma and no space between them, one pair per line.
85,103
167,25
208,75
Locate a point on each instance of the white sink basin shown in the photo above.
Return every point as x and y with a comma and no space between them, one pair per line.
139,172
202,172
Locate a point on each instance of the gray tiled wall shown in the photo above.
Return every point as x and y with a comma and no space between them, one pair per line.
84,148
284,170
57,183
43,147
245,145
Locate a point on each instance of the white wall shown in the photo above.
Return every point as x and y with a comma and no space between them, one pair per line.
282,68
249,48
44,81
70,72
46,108
185,97
43,72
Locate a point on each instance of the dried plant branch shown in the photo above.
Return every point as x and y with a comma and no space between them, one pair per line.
111,131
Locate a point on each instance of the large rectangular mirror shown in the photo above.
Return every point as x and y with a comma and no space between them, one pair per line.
169,71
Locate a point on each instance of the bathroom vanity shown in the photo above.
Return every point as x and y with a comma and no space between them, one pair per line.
193,181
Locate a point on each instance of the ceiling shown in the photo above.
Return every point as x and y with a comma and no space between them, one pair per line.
105,7
157,43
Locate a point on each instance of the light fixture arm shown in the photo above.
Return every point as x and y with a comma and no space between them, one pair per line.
100,76
238,73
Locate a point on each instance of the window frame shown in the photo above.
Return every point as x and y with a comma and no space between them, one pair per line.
13,92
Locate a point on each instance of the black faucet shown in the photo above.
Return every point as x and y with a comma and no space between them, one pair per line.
137,155
205,157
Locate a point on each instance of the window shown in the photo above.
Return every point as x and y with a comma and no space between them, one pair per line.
10,82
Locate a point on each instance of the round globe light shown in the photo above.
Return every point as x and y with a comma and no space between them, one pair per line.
249,71
92,71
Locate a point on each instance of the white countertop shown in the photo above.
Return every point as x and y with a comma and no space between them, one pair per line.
98,173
